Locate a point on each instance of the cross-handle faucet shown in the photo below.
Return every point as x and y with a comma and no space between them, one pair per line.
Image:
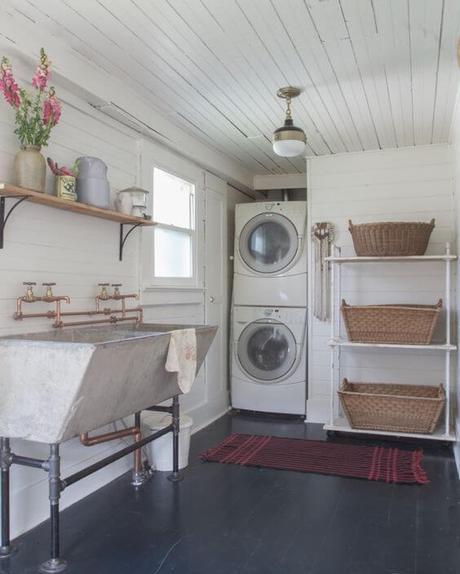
29,297
49,297
118,296
49,289
103,293
116,289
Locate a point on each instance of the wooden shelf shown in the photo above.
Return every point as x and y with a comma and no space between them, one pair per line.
432,347
12,191
407,258
8,191
341,425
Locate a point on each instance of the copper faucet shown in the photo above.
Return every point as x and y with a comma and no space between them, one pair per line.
104,295
29,297
112,316
49,297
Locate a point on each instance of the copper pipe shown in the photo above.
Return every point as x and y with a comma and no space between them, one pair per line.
52,314
112,321
86,440
101,312
48,315
58,301
120,297
23,299
135,432
55,299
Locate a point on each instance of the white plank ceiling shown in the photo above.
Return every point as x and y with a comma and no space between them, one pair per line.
374,73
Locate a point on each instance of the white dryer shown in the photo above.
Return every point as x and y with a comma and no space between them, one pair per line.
269,359
270,254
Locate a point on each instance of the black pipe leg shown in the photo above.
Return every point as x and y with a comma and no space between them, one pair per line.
5,463
55,563
175,476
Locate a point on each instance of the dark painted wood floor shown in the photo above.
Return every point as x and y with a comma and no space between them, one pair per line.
226,519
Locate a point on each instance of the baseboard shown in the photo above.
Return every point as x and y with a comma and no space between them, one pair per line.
318,410
211,420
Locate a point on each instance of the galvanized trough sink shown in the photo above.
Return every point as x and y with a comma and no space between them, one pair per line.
58,384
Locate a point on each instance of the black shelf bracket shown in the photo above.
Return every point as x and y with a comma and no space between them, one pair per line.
4,215
124,237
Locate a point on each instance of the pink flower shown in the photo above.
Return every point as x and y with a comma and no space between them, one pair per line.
8,85
51,109
41,76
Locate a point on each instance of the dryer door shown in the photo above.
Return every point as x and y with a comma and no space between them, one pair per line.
266,350
268,243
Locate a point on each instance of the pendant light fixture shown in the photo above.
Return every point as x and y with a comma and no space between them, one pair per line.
289,140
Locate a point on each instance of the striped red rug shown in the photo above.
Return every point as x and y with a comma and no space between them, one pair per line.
390,465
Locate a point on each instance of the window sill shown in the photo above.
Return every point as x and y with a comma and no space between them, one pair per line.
193,288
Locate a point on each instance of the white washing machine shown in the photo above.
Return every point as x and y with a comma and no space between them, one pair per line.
269,359
270,254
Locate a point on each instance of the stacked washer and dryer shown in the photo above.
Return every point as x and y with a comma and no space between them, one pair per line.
269,315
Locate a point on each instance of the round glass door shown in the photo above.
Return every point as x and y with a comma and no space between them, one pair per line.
267,351
268,243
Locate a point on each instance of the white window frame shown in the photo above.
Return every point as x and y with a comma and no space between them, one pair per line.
195,176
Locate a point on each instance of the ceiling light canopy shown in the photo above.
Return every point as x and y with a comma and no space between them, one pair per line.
289,140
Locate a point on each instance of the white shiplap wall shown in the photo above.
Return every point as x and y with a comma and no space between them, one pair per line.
392,185
78,252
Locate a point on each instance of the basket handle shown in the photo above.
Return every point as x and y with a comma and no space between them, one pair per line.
344,303
439,304
432,223
350,225
344,384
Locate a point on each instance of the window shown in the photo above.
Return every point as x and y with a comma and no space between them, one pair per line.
174,234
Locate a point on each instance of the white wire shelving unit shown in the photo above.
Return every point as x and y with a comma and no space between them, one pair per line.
337,421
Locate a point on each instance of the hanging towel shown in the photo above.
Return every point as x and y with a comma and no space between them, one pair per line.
182,357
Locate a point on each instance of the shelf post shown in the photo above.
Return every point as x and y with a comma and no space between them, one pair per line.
333,350
338,328
448,339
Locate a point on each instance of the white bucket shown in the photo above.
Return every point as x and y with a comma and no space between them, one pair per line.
160,450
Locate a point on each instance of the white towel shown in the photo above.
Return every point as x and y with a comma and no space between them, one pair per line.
182,357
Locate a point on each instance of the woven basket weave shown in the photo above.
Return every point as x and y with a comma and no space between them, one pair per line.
398,238
393,408
398,324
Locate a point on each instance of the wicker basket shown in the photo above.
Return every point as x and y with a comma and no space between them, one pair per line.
399,238
393,408
397,324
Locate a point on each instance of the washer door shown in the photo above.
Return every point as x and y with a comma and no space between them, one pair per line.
268,243
266,350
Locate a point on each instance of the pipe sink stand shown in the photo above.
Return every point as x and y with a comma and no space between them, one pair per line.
64,383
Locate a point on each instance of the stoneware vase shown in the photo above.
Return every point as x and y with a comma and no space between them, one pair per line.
30,168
